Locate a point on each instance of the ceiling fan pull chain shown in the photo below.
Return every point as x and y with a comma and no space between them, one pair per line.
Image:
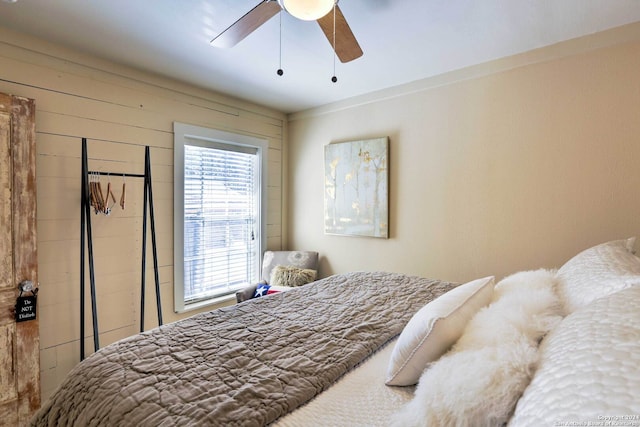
334,78
280,71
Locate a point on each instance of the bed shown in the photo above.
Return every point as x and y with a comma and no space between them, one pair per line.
247,364
320,355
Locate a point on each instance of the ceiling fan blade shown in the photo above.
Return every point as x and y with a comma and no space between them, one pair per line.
347,47
244,26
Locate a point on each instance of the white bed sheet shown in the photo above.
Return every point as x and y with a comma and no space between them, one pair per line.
360,398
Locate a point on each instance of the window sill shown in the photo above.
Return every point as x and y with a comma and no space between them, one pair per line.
218,302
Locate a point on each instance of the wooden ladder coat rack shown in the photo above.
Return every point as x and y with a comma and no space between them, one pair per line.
86,235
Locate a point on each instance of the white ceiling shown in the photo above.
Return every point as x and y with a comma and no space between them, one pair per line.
402,40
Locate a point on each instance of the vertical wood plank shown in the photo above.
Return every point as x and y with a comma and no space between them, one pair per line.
23,136
7,372
9,413
8,391
6,257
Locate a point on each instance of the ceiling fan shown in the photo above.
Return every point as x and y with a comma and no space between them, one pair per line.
340,36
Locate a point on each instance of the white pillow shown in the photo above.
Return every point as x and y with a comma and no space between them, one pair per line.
597,272
434,329
588,367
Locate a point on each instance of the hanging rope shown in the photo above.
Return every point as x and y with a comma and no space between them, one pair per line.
334,78
280,72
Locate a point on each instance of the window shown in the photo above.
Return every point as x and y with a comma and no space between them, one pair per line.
218,198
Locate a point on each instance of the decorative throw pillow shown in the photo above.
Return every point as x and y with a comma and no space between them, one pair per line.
264,289
291,276
434,329
597,272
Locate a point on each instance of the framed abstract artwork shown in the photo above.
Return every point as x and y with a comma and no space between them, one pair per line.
356,188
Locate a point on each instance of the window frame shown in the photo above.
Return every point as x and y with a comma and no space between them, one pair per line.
183,133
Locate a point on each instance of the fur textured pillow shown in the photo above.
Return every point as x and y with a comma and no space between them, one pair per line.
291,276
479,381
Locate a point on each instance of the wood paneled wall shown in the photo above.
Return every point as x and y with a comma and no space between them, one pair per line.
119,110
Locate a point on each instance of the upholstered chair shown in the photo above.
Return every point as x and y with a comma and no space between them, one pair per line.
272,259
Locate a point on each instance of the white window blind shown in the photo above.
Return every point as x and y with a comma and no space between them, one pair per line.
218,213
220,217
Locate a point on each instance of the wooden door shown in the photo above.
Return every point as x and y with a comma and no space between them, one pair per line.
19,341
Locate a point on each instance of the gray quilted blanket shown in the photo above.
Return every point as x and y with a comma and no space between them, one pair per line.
244,365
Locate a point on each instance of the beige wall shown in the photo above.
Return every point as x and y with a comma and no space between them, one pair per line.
120,110
517,164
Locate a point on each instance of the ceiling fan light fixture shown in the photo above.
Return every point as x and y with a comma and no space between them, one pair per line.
307,10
